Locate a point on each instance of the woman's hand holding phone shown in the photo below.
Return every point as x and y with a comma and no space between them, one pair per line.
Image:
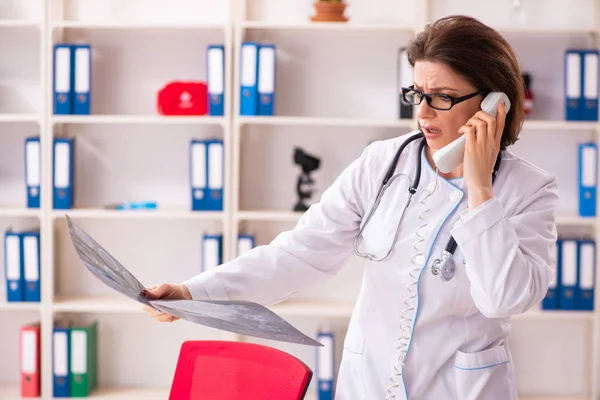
483,135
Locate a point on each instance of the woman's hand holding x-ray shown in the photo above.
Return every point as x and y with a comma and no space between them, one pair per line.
483,133
165,291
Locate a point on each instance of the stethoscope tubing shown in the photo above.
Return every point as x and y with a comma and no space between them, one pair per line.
387,180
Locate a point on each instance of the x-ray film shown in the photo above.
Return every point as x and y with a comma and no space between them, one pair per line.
242,317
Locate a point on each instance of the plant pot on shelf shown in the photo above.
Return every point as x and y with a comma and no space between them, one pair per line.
329,11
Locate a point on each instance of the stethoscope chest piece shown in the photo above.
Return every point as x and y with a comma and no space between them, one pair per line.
445,267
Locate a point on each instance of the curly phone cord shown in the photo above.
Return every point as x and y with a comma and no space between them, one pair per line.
406,319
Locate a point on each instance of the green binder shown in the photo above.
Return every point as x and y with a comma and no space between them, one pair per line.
83,359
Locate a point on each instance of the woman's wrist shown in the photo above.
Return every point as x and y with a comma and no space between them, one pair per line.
185,292
478,196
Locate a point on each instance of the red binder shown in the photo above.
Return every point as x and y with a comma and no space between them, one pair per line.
30,360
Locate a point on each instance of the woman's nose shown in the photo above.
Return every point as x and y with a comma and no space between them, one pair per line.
424,110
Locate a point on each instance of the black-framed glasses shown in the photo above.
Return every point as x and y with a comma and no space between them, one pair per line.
438,101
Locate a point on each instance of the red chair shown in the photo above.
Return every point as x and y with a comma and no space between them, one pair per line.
224,370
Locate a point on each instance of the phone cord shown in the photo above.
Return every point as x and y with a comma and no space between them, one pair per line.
406,321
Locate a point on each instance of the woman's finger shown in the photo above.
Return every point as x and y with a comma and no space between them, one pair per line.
490,123
469,132
500,123
481,128
149,309
165,318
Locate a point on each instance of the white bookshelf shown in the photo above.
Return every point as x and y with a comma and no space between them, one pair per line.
123,115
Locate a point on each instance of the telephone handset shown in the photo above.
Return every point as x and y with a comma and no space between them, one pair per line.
450,156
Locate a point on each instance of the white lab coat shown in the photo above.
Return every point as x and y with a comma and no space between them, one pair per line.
458,348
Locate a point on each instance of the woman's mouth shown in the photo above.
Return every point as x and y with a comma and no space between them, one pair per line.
431,132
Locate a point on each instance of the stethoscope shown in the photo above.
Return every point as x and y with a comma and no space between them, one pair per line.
445,266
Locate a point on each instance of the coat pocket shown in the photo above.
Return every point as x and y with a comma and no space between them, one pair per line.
484,375
350,385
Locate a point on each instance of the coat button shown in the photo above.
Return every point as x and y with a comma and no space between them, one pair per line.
454,196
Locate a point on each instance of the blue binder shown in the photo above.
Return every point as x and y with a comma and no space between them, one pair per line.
245,243
212,251
587,276
60,361
325,366
63,78
266,79
573,84
551,301
216,176
33,171
249,79
31,265
588,180
63,173
216,79
198,173
570,276
13,266
82,78
589,104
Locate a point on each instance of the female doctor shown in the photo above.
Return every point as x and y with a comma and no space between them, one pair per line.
422,328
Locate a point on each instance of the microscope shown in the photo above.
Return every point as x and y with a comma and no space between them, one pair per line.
304,185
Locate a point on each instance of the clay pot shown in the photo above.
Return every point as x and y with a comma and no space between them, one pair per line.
329,11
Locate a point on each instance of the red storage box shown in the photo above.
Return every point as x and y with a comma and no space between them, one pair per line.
183,98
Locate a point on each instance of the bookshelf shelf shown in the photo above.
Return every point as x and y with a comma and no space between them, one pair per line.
137,26
121,393
313,308
137,119
19,23
287,309
343,309
574,220
19,118
20,212
8,392
19,307
565,315
560,125
95,304
316,121
324,26
292,216
286,216
397,123
543,30
96,213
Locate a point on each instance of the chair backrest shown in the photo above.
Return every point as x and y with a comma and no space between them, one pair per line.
217,370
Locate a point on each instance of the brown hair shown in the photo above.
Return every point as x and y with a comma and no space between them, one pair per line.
479,54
